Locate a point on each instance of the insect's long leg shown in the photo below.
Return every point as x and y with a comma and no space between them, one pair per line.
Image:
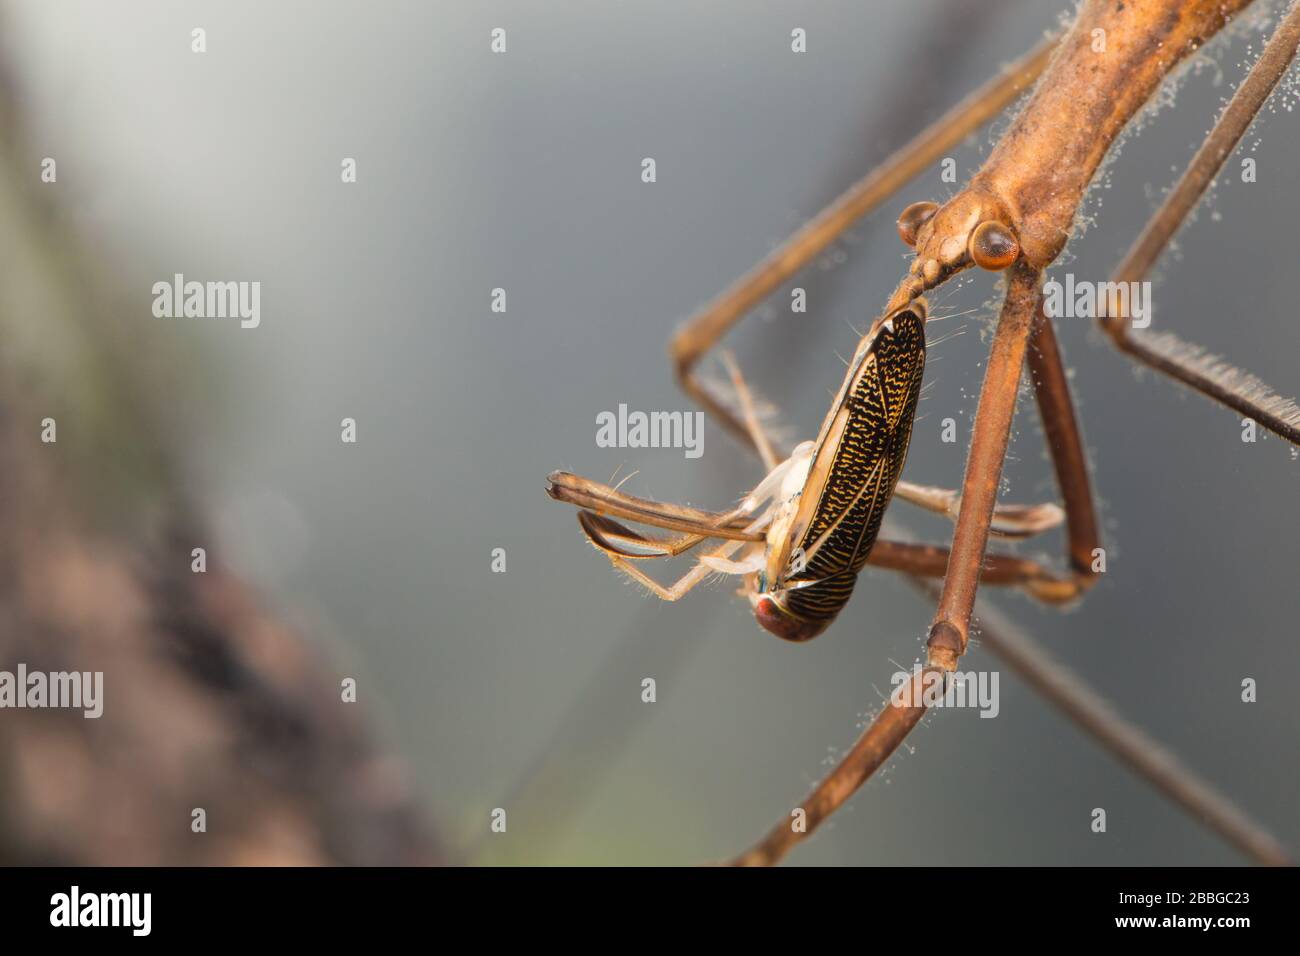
753,427
1065,446
614,538
1164,351
1088,711
686,582
988,450
619,543
999,570
593,496
1129,743
706,328
949,632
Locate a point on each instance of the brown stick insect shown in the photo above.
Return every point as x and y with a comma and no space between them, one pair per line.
799,539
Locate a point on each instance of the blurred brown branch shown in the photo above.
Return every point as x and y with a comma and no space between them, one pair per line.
209,701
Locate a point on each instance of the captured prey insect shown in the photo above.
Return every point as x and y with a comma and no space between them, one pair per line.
808,529
824,503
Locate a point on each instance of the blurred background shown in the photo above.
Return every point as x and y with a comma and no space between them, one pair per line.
522,690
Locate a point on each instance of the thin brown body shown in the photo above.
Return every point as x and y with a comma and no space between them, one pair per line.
1043,165
1105,69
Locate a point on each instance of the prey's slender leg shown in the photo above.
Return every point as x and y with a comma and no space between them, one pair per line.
686,582
1164,351
743,525
749,414
707,327
603,500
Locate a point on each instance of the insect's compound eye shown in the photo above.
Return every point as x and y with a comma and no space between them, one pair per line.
993,246
913,218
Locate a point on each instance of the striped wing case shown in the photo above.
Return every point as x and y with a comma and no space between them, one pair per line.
865,442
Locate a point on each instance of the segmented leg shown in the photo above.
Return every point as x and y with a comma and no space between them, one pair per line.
1163,351
998,570
743,524
988,450
1065,446
603,500
685,583
758,436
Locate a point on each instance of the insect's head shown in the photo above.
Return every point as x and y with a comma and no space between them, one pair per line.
773,615
972,228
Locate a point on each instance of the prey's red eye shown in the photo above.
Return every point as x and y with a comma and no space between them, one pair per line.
784,624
